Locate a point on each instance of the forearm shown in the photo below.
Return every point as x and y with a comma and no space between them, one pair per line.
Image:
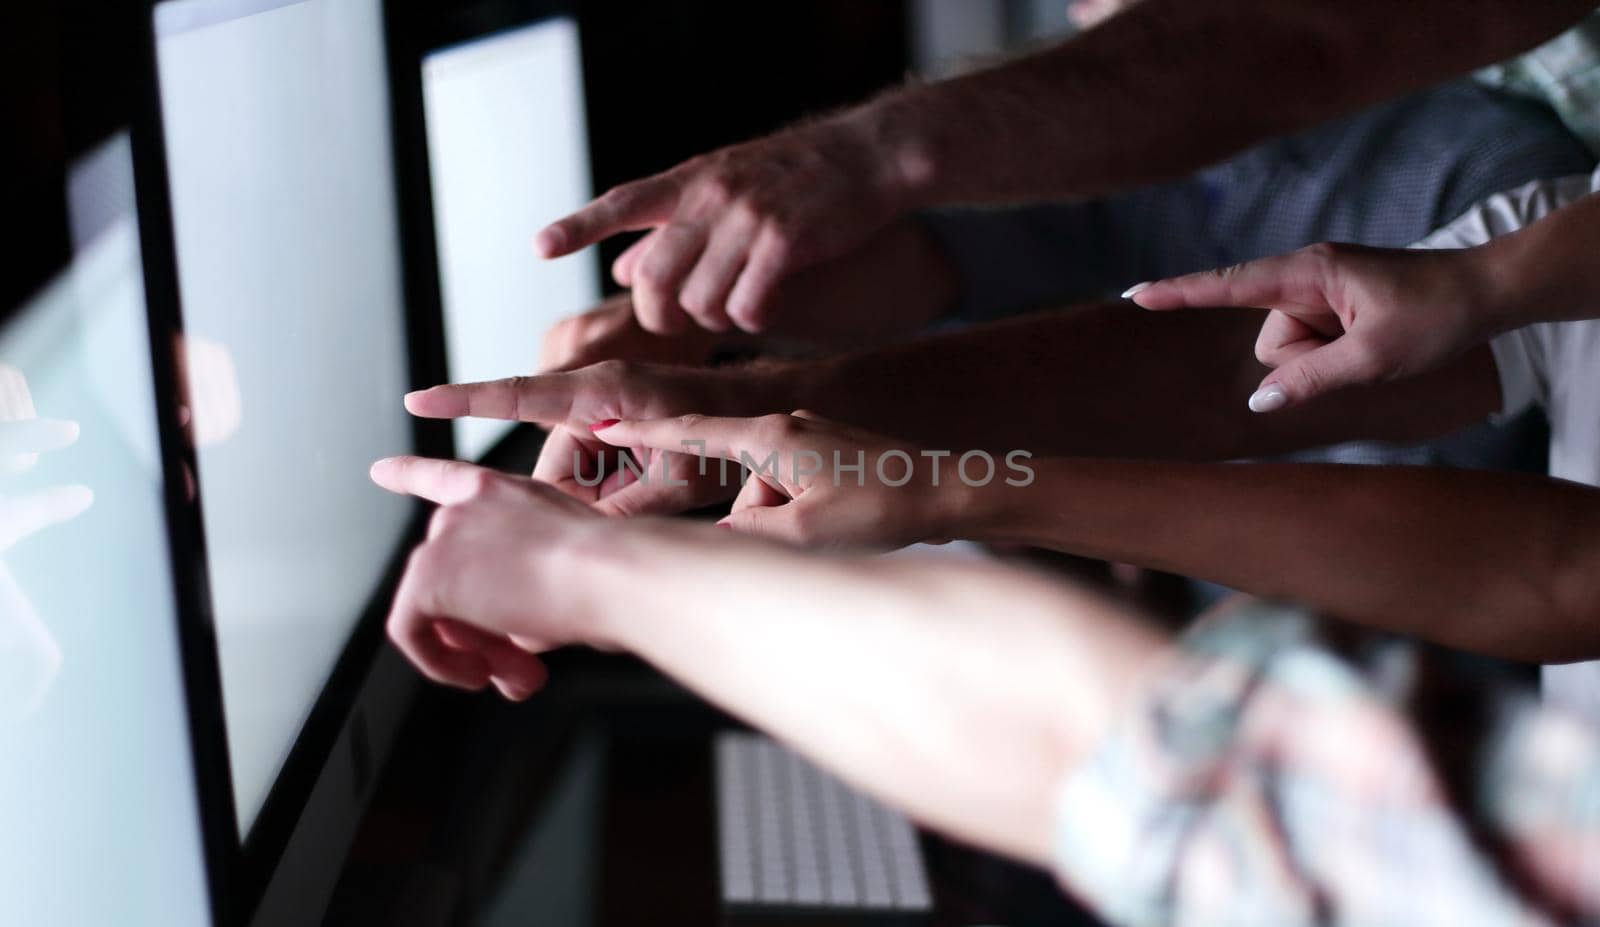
1495,563
1171,85
1546,272
960,693
1110,380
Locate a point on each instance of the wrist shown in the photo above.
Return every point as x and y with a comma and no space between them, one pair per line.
958,511
1499,290
894,134
599,570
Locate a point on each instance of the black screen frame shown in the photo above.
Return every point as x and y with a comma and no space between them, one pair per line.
242,868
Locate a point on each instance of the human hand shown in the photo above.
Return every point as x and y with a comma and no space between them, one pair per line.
729,226
1343,315
611,331
488,589
568,403
814,482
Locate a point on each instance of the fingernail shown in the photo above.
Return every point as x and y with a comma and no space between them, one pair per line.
1136,289
724,524
603,425
510,690
549,241
1268,399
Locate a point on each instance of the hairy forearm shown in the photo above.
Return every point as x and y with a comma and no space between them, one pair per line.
1502,564
1172,85
961,693
1110,381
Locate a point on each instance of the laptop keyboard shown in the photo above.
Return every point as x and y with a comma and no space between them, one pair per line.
793,836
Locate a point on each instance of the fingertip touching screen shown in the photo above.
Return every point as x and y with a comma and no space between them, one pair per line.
508,152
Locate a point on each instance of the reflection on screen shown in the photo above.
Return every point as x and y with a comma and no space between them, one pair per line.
96,779
278,146
508,152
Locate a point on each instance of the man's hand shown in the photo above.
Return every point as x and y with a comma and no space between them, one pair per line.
579,464
611,331
812,482
1343,315
485,592
728,226
896,283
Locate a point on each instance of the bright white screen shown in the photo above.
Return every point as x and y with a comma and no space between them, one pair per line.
279,151
508,152
97,787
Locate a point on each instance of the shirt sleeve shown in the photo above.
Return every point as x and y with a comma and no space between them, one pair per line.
1518,359
1268,778
1519,356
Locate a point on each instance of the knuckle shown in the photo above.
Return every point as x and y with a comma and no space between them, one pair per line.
777,427
693,421
613,371
481,483
783,245
695,301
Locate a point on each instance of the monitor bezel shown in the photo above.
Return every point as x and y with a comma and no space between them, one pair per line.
242,867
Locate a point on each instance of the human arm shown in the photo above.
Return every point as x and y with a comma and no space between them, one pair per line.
1042,722
1502,564
1099,381
960,693
1343,315
1131,101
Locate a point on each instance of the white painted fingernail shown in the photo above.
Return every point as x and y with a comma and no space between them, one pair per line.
1137,288
1268,399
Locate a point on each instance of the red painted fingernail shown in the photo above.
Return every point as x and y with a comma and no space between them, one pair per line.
600,426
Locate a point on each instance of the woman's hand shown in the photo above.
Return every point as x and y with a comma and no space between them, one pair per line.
814,482
1344,315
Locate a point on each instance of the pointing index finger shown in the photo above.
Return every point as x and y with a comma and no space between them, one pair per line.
1265,284
545,399
638,205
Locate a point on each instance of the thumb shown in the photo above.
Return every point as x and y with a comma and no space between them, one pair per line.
773,522
1342,363
652,496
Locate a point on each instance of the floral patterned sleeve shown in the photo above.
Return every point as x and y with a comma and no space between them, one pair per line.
1274,775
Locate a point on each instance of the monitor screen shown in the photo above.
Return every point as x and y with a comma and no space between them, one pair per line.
508,152
97,784
279,154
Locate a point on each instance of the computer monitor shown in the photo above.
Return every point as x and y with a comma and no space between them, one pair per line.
286,245
508,152
97,780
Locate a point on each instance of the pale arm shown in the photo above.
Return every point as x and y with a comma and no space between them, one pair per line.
962,693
